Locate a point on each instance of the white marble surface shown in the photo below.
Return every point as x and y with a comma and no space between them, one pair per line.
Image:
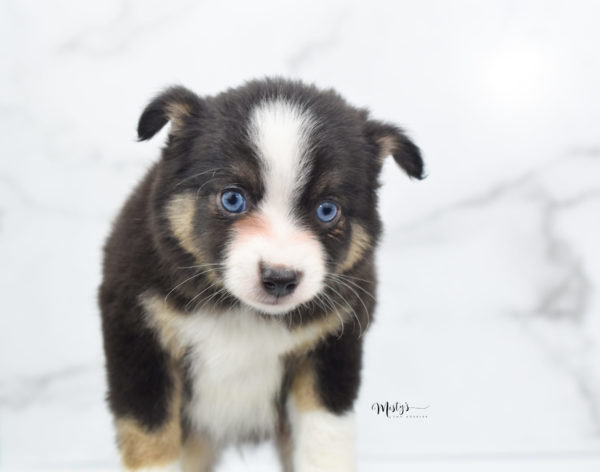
489,298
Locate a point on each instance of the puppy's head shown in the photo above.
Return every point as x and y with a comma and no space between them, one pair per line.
271,187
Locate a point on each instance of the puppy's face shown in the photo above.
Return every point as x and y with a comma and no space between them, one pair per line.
272,187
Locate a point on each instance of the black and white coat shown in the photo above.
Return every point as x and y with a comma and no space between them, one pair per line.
239,277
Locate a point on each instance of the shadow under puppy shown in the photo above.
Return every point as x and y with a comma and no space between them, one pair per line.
239,277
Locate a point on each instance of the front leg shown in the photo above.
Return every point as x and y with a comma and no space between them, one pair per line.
319,407
144,390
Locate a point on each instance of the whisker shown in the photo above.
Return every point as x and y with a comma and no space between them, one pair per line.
319,303
197,295
331,302
327,299
352,283
349,306
361,301
202,186
290,316
186,280
214,171
209,298
351,277
222,297
200,266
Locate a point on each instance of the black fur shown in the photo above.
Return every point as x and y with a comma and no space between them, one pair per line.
207,149
138,370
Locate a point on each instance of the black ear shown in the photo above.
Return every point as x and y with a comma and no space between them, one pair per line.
390,139
175,104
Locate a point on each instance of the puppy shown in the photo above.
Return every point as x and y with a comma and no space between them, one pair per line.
239,277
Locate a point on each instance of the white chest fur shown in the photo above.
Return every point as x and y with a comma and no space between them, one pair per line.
236,369
235,364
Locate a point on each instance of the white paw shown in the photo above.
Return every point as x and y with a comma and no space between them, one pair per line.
323,442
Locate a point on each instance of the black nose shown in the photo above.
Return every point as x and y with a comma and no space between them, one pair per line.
279,282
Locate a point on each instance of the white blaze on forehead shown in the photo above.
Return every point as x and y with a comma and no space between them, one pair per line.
280,132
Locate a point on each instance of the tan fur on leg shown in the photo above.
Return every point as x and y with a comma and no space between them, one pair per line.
142,448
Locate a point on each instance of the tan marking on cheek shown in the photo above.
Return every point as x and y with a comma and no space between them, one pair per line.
181,211
359,243
142,448
162,319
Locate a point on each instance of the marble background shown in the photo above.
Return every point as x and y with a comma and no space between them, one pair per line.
489,299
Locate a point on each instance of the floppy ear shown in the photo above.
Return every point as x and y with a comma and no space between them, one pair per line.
390,139
175,104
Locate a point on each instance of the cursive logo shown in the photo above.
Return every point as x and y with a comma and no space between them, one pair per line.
399,410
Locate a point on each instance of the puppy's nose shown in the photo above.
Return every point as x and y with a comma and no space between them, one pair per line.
279,281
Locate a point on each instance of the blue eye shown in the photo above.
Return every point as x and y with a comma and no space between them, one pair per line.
327,211
233,201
